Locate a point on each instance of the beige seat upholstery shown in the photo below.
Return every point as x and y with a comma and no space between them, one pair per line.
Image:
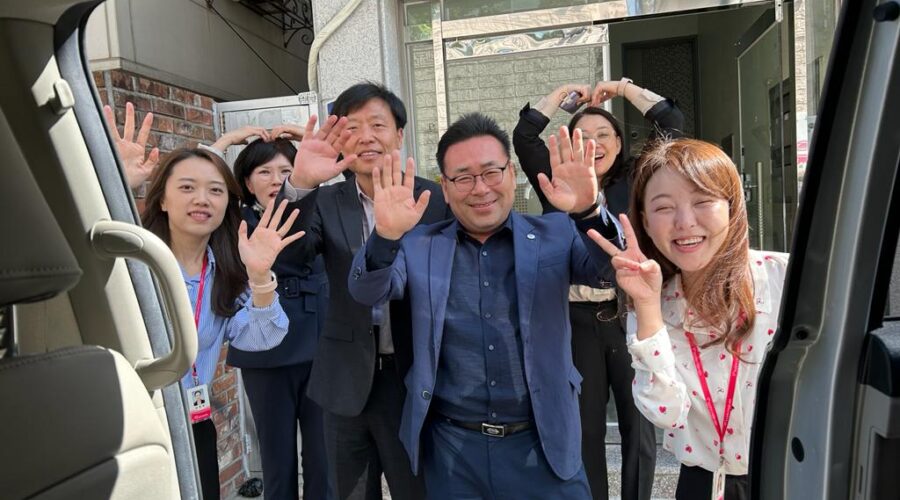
78,424
75,423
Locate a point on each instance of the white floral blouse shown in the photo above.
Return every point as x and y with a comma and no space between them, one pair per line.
666,388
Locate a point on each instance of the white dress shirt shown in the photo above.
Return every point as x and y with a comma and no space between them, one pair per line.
666,387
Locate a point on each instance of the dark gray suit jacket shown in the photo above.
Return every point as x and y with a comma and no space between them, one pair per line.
344,363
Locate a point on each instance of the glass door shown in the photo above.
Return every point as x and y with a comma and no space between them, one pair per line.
767,156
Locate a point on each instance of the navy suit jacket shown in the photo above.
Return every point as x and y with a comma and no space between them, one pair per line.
344,364
550,254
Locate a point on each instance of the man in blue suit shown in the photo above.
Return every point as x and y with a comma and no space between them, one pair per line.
491,409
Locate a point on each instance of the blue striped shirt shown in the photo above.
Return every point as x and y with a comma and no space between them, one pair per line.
250,329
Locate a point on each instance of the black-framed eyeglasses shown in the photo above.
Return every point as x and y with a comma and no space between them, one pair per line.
490,176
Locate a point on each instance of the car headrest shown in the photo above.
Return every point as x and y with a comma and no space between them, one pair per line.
36,262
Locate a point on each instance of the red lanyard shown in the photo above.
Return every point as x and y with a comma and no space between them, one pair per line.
197,315
729,399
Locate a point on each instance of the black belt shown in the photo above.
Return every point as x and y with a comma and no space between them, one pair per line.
492,430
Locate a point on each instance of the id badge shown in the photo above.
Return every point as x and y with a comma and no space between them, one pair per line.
198,403
718,491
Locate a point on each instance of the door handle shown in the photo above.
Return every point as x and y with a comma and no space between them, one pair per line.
114,239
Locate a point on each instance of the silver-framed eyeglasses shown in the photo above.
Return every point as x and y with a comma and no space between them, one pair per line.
490,176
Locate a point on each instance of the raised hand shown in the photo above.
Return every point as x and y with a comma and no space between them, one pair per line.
287,131
133,152
574,186
603,92
640,277
258,252
316,159
396,210
240,136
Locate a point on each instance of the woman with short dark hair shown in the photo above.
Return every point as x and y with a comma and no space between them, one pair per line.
275,380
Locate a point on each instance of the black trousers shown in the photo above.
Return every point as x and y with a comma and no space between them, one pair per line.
363,447
207,458
601,355
278,401
695,483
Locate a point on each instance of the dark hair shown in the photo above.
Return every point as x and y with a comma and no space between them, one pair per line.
258,153
358,95
466,127
617,169
231,276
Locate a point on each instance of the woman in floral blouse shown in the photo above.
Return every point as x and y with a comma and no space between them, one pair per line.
704,309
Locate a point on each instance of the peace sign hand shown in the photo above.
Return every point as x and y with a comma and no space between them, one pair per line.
396,209
574,186
137,163
640,277
258,252
316,159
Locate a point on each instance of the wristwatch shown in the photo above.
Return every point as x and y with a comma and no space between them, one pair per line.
620,88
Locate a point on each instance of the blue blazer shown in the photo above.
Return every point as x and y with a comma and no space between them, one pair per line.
550,254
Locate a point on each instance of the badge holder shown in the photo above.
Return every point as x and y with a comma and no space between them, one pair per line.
718,491
199,408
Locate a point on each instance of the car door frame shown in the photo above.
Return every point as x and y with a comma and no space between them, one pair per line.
837,280
74,68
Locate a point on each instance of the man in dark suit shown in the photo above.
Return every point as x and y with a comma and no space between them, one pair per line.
492,408
363,351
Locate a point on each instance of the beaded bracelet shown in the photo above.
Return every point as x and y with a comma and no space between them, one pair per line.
267,288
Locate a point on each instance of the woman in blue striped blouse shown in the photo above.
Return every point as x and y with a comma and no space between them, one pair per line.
193,205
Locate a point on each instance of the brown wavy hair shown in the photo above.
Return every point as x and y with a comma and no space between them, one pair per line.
722,294
230,276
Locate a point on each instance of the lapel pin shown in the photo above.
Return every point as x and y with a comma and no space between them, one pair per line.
530,236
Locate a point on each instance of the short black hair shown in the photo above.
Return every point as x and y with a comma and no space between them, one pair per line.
358,95
466,127
255,154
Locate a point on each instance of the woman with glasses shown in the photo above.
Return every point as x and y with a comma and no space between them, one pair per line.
598,339
276,380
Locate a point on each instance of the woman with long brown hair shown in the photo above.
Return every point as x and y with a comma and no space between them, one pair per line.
704,308
193,204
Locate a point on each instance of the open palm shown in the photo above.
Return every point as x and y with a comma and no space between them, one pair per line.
396,209
317,155
133,152
640,277
258,252
574,187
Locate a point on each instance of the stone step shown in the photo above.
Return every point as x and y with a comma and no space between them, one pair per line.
664,481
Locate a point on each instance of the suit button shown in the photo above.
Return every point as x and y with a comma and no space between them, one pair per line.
426,395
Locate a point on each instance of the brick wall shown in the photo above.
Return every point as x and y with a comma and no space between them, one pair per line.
182,119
